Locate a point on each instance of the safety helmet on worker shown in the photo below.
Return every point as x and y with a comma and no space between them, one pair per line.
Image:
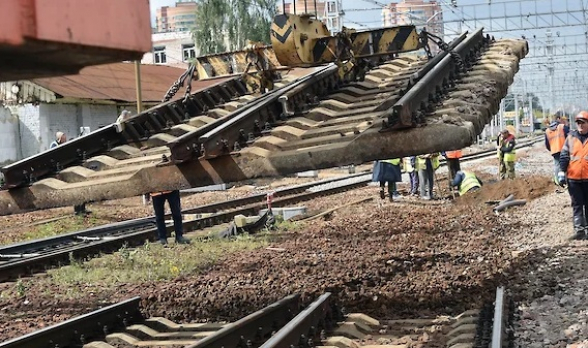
582,115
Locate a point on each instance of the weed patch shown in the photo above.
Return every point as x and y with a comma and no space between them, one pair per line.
151,262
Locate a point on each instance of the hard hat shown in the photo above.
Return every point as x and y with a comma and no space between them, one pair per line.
582,115
59,135
505,131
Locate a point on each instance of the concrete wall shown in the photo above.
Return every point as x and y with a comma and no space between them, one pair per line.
9,138
30,129
38,125
68,118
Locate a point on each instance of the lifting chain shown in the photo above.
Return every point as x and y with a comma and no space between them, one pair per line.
189,73
425,36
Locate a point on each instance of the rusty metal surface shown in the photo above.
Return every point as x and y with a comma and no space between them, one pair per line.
57,37
117,82
345,127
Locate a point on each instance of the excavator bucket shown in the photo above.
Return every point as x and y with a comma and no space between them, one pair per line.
229,133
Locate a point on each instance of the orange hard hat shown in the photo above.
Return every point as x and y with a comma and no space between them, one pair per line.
582,115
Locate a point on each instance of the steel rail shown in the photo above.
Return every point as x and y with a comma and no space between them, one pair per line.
305,327
154,120
262,117
41,254
78,331
435,83
253,329
499,319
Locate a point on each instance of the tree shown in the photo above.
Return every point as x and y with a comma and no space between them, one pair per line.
236,20
210,25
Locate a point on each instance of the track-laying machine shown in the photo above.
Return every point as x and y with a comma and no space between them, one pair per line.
311,100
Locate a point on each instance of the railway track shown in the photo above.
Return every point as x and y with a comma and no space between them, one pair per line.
229,133
283,324
23,259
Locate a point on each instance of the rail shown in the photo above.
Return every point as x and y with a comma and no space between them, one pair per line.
306,327
138,127
254,328
81,330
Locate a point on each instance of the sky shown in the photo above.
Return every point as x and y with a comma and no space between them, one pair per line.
531,19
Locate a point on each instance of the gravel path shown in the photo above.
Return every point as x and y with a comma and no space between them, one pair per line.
386,259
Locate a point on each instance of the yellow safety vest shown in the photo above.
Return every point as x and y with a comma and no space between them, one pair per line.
469,181
395,161
509,156
407,166
420,162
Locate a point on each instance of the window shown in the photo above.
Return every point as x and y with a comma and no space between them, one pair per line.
188,51
159,55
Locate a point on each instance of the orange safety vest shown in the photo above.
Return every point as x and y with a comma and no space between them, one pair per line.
556,138
578,167
453,154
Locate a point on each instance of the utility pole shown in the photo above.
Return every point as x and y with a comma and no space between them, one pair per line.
517,115
138,86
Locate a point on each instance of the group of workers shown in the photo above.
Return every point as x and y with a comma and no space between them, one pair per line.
158,199
570,159
421,170
568,148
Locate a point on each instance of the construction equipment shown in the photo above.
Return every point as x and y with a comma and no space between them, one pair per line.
40,38
320,117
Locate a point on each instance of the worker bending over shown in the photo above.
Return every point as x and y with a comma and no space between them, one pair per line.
466,182
573,163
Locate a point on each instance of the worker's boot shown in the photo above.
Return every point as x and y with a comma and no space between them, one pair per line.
579,233
382,194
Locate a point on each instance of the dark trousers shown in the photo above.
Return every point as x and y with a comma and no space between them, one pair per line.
453,167
579,193
391,187
80,209
173,198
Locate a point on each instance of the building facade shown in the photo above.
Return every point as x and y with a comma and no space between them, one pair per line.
420,13
181,17
173,49
32,111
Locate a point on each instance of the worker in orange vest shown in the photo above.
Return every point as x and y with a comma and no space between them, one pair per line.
573,162
453,164
555,136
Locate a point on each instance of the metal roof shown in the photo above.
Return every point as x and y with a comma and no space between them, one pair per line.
116,82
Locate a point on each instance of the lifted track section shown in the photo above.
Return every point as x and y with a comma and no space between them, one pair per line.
316,121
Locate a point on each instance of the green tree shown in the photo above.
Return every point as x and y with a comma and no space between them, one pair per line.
210,26
264,12
237,20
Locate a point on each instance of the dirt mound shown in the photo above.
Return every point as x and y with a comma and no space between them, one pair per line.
528,187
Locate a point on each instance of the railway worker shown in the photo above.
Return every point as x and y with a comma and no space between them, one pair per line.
124,115
388,171
573,163
173,199
507,154
453,163
555,136
409,167
426,166
61,138
466,182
